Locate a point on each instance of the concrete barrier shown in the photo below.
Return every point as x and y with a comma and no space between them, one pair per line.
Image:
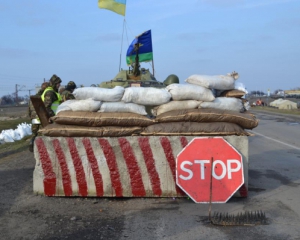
115,167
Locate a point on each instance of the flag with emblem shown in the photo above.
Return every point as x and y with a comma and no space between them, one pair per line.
142,45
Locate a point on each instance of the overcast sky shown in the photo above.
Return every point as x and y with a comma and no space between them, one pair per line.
78,41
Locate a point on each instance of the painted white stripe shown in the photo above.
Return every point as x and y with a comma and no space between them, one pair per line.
162,167
283,143
38,174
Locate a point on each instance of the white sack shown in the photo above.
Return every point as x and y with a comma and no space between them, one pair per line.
88,105
225,103
190,92
247,106
1,138
27,128
65,106
122,107
240,86
99,94
219,82
9,135
6,137
22,132
146,96
175,105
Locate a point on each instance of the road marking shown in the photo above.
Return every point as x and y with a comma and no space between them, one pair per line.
283,143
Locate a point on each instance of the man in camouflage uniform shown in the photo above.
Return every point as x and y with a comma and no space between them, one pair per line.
51,97
67,94
32,114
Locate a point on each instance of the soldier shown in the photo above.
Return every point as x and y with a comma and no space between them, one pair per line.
51,97
67,94
35,122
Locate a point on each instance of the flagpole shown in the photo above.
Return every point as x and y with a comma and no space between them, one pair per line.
153,67
121,45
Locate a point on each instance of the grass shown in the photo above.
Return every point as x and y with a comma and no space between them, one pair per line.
276,110
17,146
13,124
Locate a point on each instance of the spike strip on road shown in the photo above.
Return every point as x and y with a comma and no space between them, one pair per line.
115,167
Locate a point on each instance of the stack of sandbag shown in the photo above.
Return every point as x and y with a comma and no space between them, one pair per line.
117,99
96,124
228,94
12,135
199,122
99,112
206,105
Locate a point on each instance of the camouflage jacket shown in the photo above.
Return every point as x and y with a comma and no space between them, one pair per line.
67,95
31,111
50,97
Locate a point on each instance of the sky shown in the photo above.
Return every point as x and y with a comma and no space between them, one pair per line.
80,42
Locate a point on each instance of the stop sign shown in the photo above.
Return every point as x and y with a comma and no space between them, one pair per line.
194,173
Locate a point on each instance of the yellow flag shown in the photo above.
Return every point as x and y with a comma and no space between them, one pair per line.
117,6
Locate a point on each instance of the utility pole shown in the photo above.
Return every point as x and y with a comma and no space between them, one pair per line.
16,94
29,90
17,90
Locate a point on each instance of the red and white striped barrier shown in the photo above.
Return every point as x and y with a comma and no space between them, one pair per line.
115,167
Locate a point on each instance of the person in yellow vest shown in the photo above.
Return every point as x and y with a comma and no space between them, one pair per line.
51,97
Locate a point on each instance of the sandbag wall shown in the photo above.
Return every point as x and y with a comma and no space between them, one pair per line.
204,106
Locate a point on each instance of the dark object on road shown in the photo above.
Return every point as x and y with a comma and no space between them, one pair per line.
241,219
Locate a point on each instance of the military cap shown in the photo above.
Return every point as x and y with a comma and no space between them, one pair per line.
71,85
54,80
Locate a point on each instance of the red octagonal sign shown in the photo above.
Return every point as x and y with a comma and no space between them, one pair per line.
195,176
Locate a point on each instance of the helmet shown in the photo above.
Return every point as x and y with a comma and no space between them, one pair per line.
71,85
54,80
171,79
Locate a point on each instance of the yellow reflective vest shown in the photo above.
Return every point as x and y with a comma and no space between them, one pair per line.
56,103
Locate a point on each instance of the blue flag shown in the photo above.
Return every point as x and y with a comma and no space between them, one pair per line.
145,48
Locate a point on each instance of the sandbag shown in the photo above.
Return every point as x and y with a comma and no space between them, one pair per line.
100,94
244,120
146,96
123,107
57,130
65,106
225,103
175,105
190,92
232,93
88,105
98,119
194,129
23,130
241,87
6,137
219,82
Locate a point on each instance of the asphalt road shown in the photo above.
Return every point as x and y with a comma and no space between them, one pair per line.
274,155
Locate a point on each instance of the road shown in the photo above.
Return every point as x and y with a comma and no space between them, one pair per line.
274,185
